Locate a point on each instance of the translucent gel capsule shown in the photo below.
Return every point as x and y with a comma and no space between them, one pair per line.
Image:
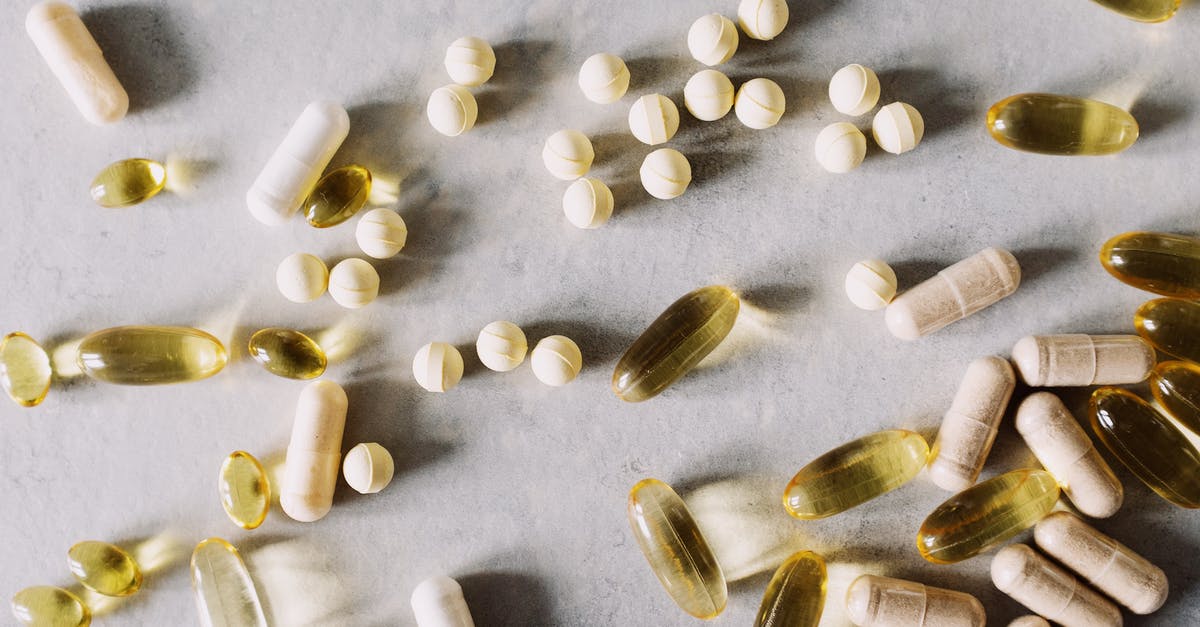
1061,125
675,342
855,473
128,182
986,514
245,490
225,594
338,196
1176,387
105,568
1148,444
39,606
1143,10
1162,263
676,550
795,596
287,353
147,355
24,369
1171,325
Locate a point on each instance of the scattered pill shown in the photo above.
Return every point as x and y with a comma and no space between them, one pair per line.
588,203
855,473
795,595
1036,583
1171,325
104,568
759,103
763,19
438,366
1061,125
381,233
501,346
296,164
1163,263
314,452
128,182
873,601
712,39
568,154
452,110
1143,10
1029,621
225,594
353,283
77,61
245,490
150,355
871,284
39,606
708,95
287,353
556,360
1175,385
368,468
302,277
969,427
840,147
1079,360
898,128
338,196
25,371
470,61
653,119
438,602
604,78
954,293
854,89
665,173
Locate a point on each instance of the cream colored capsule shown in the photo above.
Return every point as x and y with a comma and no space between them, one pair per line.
470,61
873,601
1029,621
1036,583
955,293
568,154
603,78
302,277
314,453
1112,567
898,128
854,89
969,427
438,602
1079,359
556,360
368,468
452,110
1060,444
438,366
653,119
296,164
501,346
712,39
871,284
353,283
759,103
381,233
77,61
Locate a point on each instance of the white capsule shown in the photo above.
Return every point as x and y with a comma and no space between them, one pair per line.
854,89
353,283
955,293
588,203
653,119
501,346
759,103
840,147
77,61
708,95
1029,621
665,173
368,468
438,602
301,277
556,360
969,427
604,78
452,110
297,163
712,39
311,465
568,154
763,19
871,284
381,233
1078,359
470,61
873,601
1036,583
898,128
438,366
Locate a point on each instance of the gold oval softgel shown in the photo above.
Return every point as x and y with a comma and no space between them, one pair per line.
245,490
1163,263
1171,325
25,370
150,355
128,182
1143,10
338,196
1061,125
287,353
1176,387
855,473
49,605
795,596
104,568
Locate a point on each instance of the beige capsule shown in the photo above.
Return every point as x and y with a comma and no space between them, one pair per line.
886,602
1078,359
1036,583
314,453
954,293
1029,621
969,428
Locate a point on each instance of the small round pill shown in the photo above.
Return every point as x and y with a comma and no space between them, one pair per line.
854,89
568,154
759,103
368,468
301,277
438,366
381,233
708,95
665,173
840,147
588,203
452,110
898,128
654,119
470,61
556,360
353,283
712,39
763,19
501,346
604,78
871,284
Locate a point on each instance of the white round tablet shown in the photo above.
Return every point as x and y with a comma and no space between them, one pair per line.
840,147
452,110
588,203
654,119
438,366
501,346
381,233
604,78
568,154
708,95
712,39
854,89
759,103
353,283
301,277
556,360
763,19
470,61
871,284
368,468
898,128
666,173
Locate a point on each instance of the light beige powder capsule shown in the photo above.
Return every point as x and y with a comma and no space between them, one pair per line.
1036,583
1060,444
969,428
77,61
955,293
1030,621
1110,566
1078,359
315,452
883,601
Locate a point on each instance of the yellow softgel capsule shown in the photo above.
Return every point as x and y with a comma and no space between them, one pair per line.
105,568
1061,125
855,473
986,514
675,342
1171,325
245,490
338,196
1163,263
1148,444
225,594
287,353
677,551
128,182
1143,10
1176,387
795,596
25,371
39,606
150,355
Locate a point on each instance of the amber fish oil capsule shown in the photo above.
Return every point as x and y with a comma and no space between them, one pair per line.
954,293
287,353
1061,125
1078,359
1171,325
795,596
873,601
225,594
245,490
1038,584
1176,387
128,182
149,355
1163,263
855,473
77,61
296,164
1143,10
338,196
25,370
969,427
314,454
104,568
49,605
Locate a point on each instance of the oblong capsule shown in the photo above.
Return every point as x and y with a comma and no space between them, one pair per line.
676,550
50,605
296,164
77,61
1112,567
954,293
149,355
287,353
1029,620
795,596
1038,584
986,514
1078,359
338,196
1163,263
1061,125
245,490
314,453
873,601
104,568
1060,444
438,602
855,473
225,593
1171,325
675,342
1176,387
969,427
128,182
25,371
1143,10
1148,444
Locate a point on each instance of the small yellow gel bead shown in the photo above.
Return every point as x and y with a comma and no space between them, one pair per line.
38,606
128,182
25,371
104,568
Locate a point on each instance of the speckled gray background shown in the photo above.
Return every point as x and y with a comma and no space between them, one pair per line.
515,488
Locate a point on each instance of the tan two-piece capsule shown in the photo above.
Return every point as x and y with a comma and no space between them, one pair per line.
296,165
885,602
1112,567
1079,359
1036,583
76,59
315,452
954,293
969,428
1060,444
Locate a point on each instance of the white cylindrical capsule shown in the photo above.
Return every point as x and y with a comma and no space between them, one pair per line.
1079,359
1112,567
315,452
955,293
883,601
77,61
1059,443
1036,583
1029,621
969,428
294,168
438,602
